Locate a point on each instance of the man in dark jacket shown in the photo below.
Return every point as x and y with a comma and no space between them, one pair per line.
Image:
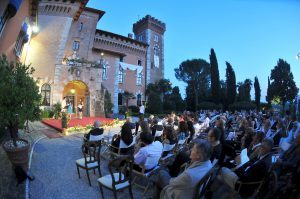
96,133
252,171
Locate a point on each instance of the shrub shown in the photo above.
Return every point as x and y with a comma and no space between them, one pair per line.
56,108
209,106
243,105
64,120
134,109
45,113
154,105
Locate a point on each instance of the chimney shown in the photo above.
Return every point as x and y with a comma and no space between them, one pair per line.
130,35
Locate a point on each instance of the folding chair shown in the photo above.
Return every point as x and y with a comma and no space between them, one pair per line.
146,174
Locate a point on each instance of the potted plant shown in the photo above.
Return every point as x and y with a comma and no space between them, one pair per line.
64,122
19,101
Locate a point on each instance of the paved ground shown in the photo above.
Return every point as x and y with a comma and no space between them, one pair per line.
8,182
53,165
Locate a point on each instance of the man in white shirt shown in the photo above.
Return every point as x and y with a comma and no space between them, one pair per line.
149,153
142,109
63,104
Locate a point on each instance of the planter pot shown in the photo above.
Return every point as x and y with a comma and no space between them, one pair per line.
65,131
18,156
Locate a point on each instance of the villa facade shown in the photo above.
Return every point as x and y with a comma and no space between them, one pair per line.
74,59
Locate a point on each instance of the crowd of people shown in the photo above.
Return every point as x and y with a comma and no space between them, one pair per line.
241,146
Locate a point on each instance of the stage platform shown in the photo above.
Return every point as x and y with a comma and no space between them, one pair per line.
56,124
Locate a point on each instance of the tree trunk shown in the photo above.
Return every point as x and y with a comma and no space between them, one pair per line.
283,105
196,98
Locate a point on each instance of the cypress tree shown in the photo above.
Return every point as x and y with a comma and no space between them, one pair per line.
257,93
268,97
231,83
215,77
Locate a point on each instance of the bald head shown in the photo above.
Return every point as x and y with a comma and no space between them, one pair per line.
96,124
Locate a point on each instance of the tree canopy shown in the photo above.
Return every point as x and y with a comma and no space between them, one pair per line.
215,77
19,95
257,93
196,73
231,83
282,84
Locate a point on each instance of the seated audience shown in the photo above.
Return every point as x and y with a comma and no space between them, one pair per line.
126,137
213,137
289,159
147,149
183,186
156,126
252,171
96,133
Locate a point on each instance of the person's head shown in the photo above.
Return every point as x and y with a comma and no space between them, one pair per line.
96,124
292,117
126,128
182,127
146,138
266,146
280,124
297,138
141,118
168,133
267,124
155,120
258,137
201,150
214,135
145,127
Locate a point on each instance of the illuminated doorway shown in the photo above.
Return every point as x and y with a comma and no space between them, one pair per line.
75,91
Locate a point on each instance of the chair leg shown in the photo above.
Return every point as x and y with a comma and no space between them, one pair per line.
146,189
130,191
88,175
94,172
115,194
101,189
99,170
78,171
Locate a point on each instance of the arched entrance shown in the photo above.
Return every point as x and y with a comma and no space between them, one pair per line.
75,91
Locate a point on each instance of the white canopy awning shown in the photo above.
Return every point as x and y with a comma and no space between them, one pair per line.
126,66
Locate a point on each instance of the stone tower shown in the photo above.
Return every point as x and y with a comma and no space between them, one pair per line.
151,31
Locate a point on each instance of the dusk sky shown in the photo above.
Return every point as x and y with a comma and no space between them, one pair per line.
250,34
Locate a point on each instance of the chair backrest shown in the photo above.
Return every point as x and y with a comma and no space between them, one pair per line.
168,147
91,151
96,137
124,146
244,156
158,133
152,160
202,184
120,170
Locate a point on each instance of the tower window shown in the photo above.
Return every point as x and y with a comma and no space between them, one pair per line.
156,38
120,99
121,59
45,92
141,38
76,45
139,79
3,20
139,100
155,50
139,62
80,27
104,71
121,76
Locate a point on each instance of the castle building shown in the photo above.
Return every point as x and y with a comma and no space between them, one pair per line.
74,59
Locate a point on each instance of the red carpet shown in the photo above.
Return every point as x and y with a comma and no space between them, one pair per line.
56,124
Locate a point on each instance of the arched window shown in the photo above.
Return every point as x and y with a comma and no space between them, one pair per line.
120,99
45,91
139,100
